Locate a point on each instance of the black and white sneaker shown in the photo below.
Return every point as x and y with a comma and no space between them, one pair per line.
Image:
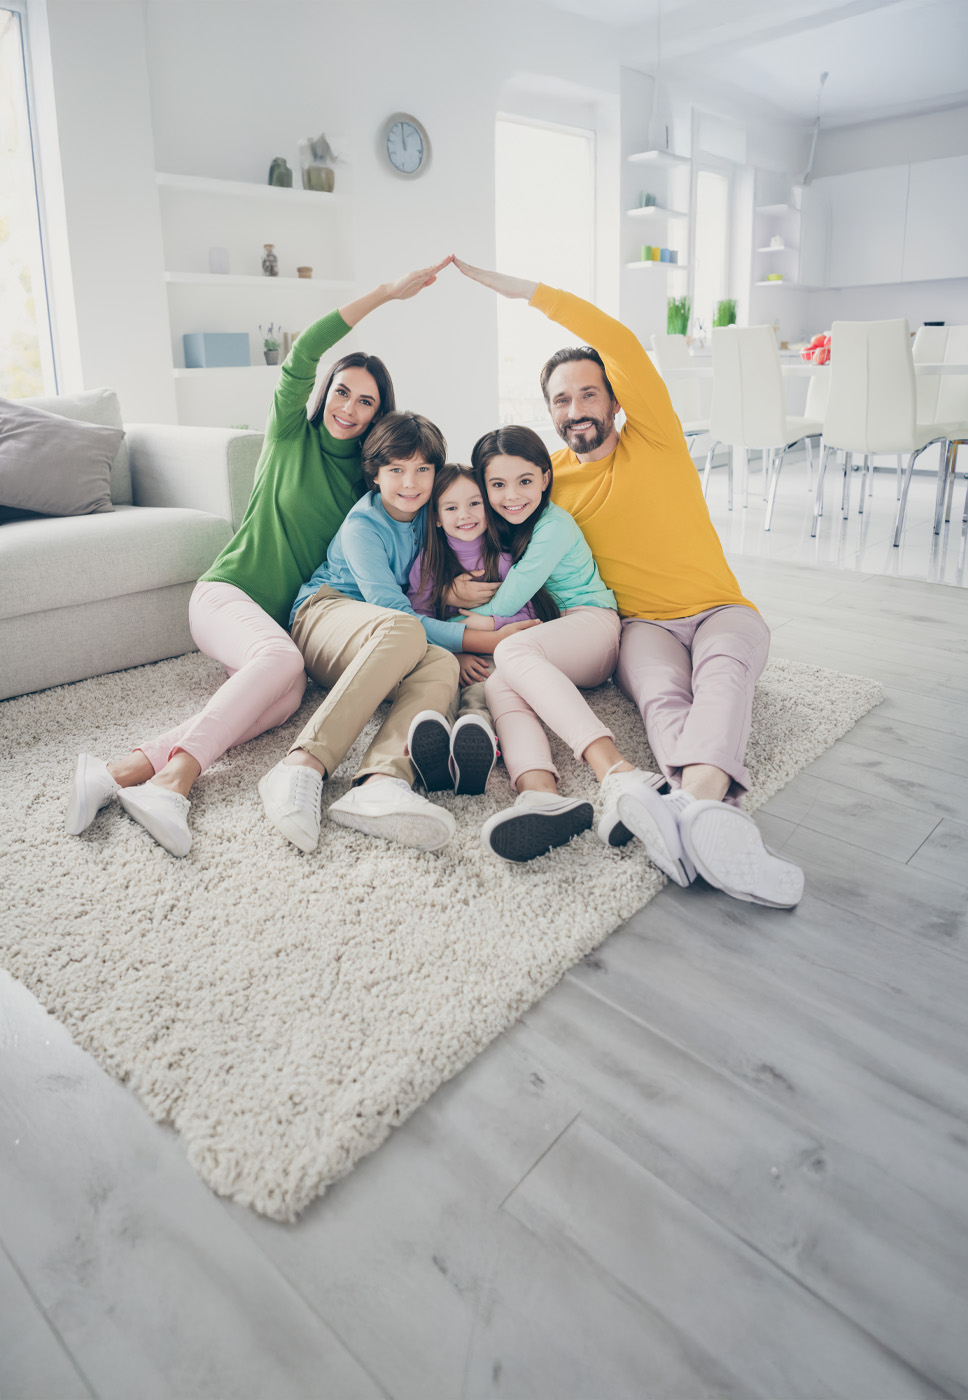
473,749
428,743
536,823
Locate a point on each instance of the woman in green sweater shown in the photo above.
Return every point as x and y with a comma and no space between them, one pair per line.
307,479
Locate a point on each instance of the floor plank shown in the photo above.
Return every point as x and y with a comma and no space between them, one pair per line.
33,1360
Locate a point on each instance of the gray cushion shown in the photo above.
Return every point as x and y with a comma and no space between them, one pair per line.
63,563
53,465
95,406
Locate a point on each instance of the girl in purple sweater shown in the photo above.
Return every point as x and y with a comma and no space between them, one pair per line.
461,539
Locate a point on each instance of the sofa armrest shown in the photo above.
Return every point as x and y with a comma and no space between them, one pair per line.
210,469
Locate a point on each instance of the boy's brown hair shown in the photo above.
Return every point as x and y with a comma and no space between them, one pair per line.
398,437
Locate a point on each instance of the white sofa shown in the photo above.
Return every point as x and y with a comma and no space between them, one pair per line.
86,594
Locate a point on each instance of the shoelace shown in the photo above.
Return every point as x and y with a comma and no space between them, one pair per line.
305,787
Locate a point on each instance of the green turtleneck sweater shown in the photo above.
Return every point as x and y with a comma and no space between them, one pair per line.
305,483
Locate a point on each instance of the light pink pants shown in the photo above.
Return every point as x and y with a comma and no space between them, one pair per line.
692,680
266,677
537,677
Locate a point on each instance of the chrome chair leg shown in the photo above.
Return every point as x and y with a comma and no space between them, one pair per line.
845,499
773,485
863,483
902,503
870,479
809,446
818,499
709,467
953,449
900,474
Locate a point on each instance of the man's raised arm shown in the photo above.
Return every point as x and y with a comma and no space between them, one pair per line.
637,384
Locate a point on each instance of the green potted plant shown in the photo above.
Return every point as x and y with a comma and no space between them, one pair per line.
677,315
270,344
725,312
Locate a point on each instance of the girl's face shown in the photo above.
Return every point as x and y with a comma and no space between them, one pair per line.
351,404
515,487
460,510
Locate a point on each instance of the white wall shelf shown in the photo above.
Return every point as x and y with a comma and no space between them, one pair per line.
777,248
651,262
242,189
657,157
776,282
231,279
655,211
773,208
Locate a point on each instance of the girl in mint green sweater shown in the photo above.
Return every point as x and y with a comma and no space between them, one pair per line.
307,479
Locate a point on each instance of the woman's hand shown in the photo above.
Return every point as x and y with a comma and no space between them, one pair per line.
476,622
472,669
516,287
468,591
413,282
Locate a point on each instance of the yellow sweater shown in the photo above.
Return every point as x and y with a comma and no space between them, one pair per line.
641,509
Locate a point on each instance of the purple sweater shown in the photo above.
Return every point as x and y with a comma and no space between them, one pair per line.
469,553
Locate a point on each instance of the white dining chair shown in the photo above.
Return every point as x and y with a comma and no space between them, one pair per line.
672,352
872,409
749,406
944,399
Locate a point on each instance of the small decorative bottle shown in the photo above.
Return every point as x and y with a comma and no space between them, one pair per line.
270,263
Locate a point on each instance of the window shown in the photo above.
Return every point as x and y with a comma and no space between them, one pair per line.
26,360
710,260
545,229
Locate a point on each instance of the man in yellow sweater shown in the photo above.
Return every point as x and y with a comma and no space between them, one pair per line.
692,645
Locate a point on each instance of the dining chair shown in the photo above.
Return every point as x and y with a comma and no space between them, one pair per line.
671,352
749,405
943,398
872,409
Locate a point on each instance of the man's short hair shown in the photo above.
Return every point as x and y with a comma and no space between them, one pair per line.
573,352
398,437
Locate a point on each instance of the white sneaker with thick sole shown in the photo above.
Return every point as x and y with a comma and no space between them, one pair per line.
92,788
390,808
725,846
473,750
655,821
163,814
536,823
428,744
611,830
292,796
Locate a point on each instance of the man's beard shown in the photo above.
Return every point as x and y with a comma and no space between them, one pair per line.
587,441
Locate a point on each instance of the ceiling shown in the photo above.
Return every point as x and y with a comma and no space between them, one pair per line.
883,57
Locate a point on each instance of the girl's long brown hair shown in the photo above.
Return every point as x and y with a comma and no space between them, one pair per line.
439,565
514,441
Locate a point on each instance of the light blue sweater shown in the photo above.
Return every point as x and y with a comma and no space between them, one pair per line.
370,559
558,557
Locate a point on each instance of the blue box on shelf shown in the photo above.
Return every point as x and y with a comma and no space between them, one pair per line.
216,349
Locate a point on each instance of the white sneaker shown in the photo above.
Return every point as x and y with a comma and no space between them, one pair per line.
611,830
292,795
655,821
428,744
92,788
390,808
162,813
726,848
537,822
473,749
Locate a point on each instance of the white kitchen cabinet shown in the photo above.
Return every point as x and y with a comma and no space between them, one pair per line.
936,234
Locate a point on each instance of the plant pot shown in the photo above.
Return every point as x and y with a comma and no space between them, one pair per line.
272,357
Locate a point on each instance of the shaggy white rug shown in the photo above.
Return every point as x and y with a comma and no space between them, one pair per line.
284,1011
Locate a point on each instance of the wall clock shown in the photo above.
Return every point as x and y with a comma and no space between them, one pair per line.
405,145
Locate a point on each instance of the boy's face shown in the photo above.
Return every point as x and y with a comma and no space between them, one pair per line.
405,485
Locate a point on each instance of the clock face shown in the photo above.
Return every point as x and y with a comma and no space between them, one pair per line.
407,146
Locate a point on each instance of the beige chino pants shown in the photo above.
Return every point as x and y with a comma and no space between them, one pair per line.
365,655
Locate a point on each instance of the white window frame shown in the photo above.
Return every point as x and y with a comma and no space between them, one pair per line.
713,165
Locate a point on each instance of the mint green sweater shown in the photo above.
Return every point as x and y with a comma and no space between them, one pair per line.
558,557
305,483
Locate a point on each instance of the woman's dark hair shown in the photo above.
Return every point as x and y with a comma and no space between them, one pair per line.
439,565
398,437
372,365
514,441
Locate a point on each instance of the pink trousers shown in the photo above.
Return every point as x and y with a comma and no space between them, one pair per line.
537,675
266,677
692,680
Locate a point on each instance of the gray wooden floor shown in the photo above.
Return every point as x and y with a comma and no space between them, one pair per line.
727,1156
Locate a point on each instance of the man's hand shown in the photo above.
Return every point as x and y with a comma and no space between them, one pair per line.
468,591
516,287
472,669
